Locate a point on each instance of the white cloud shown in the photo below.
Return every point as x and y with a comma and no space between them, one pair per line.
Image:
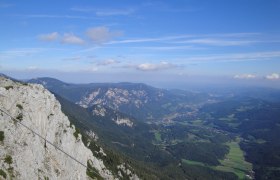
155,67
97,35
70,38
49,37
273,76
101,34
107,62
245,76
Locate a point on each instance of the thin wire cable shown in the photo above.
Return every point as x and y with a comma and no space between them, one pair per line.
61,150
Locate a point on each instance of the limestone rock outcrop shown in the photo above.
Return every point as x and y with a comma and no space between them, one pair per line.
25,155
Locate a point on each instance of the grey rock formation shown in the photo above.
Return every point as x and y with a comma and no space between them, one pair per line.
23,154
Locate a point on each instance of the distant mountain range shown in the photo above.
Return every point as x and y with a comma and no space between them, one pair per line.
139,100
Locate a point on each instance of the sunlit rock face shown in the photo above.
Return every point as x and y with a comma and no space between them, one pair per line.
124,121
101,111
23,154
115,97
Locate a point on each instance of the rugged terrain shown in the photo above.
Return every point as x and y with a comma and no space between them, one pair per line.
217,133
145,103
37,140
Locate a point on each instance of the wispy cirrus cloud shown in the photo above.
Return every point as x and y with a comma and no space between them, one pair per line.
223,39
105,36
107,62
235,35
21,52
105,12
164,48
165,7
143,40
102,34
69,38
217,42
76,58
273,76
253,56
49,37
115,12
52,16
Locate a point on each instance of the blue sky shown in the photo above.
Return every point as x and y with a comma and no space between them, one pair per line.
157,42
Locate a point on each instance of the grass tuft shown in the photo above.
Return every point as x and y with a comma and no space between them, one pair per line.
3,174
2,136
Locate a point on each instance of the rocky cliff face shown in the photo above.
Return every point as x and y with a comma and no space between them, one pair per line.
23,154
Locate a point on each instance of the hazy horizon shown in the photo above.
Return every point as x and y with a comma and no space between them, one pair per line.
189,83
